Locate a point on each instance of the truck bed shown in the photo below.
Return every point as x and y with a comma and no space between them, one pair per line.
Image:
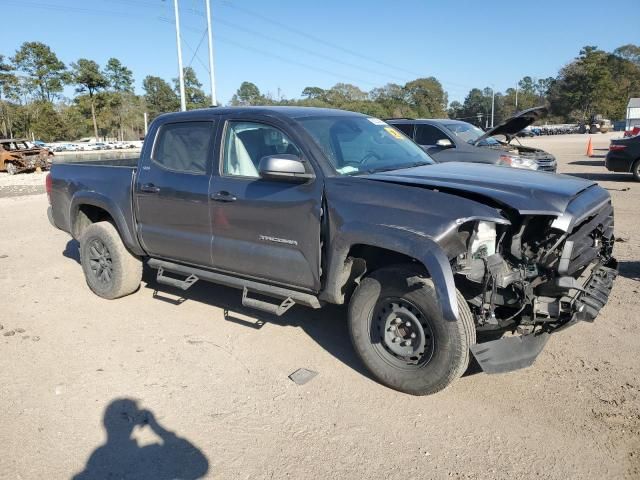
98,160
104,183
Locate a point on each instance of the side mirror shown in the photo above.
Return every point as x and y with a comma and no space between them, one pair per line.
444,143
284,167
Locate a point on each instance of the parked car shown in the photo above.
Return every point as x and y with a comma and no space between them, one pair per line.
526,132
65,147
17,156
624,156
314,206
632,133
456,141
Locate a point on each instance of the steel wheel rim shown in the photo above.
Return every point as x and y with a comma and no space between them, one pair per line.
402,335
100,261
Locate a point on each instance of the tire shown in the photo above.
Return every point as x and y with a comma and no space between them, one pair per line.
10,168
440,354
635,169
111,271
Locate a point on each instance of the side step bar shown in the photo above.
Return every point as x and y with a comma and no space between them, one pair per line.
275,309
288,297
175,282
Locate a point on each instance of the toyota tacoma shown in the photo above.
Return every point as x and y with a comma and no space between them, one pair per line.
437,262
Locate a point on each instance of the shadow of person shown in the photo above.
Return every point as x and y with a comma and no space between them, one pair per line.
629,269
72,250
121,457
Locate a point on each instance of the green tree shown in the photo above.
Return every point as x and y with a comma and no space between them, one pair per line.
476,108
584,87
314,93
393,98
119,77
342,93
159,96
629,52
247,94
194,95
87,76
120,80
46,74
7,80
455,109
427,97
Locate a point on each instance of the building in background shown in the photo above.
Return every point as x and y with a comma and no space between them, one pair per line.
633,113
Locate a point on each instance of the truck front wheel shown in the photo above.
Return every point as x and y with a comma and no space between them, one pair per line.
110,269
398,332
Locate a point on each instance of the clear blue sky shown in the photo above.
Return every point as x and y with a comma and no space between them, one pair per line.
290,44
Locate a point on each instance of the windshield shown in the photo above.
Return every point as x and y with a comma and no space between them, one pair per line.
470,133
356,145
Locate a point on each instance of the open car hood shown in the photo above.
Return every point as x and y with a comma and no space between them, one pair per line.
510,127
528,192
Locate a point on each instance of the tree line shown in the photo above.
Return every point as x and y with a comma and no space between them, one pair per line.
105,104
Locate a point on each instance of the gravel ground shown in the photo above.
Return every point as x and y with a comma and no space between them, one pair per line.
21,184
201,383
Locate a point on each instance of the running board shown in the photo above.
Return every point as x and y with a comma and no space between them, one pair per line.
287,296
175,282
273,308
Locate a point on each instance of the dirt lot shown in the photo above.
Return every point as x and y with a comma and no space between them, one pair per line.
219,382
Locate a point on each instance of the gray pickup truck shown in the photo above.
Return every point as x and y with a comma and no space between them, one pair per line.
312,206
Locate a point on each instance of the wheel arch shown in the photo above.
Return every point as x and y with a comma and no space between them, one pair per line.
388,245
91,207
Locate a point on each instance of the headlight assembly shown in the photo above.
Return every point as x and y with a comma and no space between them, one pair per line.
517,162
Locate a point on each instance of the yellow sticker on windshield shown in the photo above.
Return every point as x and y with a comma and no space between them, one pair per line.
394,133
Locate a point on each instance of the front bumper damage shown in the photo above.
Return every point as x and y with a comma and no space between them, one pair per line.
583,302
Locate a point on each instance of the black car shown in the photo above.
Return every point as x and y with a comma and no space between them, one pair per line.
315,206
456,141
624,156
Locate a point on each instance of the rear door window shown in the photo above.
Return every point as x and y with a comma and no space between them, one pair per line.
184,147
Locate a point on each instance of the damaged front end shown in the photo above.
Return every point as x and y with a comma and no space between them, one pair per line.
534,277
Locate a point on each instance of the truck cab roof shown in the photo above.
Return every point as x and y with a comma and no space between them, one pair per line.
276,111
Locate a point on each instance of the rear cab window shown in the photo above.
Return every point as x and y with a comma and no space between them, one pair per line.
184,146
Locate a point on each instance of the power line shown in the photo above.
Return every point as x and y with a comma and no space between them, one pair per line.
204,34
269,54
58,8
314,38
324,42
301,49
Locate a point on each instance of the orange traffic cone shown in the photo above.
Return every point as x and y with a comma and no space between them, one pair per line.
589,148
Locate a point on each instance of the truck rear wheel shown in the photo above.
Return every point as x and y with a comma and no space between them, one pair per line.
399,333
110,269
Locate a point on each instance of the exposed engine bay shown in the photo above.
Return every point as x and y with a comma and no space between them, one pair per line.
532,276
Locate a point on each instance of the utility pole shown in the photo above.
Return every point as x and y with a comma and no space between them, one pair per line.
146,124
493,104
183,101
516,97
214,102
